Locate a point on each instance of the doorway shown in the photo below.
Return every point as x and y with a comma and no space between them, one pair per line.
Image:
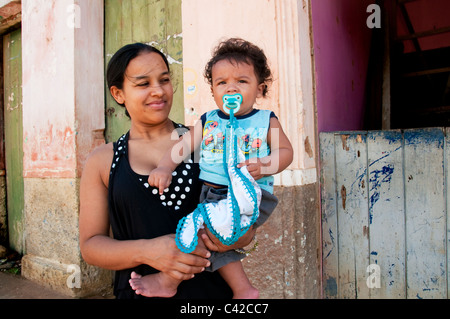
409,71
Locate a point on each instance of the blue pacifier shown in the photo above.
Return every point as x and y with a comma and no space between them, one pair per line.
232,102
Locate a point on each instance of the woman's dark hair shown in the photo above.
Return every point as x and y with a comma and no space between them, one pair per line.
237,50
115,71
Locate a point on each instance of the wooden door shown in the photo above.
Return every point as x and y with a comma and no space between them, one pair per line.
385,197
12,68
157,23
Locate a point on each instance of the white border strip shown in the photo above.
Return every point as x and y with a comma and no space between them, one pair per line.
296,177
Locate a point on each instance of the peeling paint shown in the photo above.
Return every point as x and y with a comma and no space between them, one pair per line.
331,287
170,59
308,148
366,231
303,241
343,196
344,139
359,138
50,153
175,36
376,179
279,240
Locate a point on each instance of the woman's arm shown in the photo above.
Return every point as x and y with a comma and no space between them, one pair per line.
97,248
212,243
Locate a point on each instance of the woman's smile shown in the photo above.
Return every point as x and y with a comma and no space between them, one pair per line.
156,105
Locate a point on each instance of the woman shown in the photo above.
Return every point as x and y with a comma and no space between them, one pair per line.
114,192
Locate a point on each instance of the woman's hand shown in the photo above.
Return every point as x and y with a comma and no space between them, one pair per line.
214,244
167,258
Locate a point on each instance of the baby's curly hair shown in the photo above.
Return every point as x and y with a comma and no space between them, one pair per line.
237,50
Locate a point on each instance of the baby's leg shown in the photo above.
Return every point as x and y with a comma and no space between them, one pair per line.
154,285
233,273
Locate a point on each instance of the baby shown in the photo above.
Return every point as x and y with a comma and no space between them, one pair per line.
237,68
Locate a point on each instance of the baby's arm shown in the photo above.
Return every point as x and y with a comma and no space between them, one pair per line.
281,153
161,177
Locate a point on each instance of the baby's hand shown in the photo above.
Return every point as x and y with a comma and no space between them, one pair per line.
255,167
160,177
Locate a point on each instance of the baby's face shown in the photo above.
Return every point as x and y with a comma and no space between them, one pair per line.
232,78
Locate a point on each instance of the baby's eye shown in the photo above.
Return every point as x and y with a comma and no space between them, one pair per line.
143,84
165,80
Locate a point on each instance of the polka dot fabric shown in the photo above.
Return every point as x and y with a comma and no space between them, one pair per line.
175,195
178,190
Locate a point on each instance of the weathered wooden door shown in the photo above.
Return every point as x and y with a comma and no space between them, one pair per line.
385,199
12,70
157,23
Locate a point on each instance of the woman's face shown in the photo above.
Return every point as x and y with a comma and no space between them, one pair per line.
147,89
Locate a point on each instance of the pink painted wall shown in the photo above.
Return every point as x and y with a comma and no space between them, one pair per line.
63,81
48,90
341,53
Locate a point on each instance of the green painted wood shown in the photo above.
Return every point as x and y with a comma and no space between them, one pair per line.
385,200
155,22
12,68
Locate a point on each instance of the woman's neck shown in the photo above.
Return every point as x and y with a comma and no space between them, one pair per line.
149,132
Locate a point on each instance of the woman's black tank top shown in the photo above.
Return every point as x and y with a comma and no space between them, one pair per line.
137,211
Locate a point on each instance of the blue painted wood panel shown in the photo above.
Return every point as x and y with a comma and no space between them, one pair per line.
384,199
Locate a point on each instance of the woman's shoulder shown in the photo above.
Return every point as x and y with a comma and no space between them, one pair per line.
101,152
100,159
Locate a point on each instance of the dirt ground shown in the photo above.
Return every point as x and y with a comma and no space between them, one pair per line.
13,286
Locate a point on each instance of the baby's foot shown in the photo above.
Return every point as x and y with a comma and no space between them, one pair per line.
154,285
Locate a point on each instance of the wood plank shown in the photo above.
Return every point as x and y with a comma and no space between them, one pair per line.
174,47
447,194
117,122
330,251
12,62
388,29
426,72
2,132
144,25
353,223
423,34
157,23
126,19
425,214
386,212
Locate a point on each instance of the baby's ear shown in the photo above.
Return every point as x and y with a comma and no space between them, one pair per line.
261,88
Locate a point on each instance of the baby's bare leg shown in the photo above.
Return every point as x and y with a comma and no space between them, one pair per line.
154,285
233,273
